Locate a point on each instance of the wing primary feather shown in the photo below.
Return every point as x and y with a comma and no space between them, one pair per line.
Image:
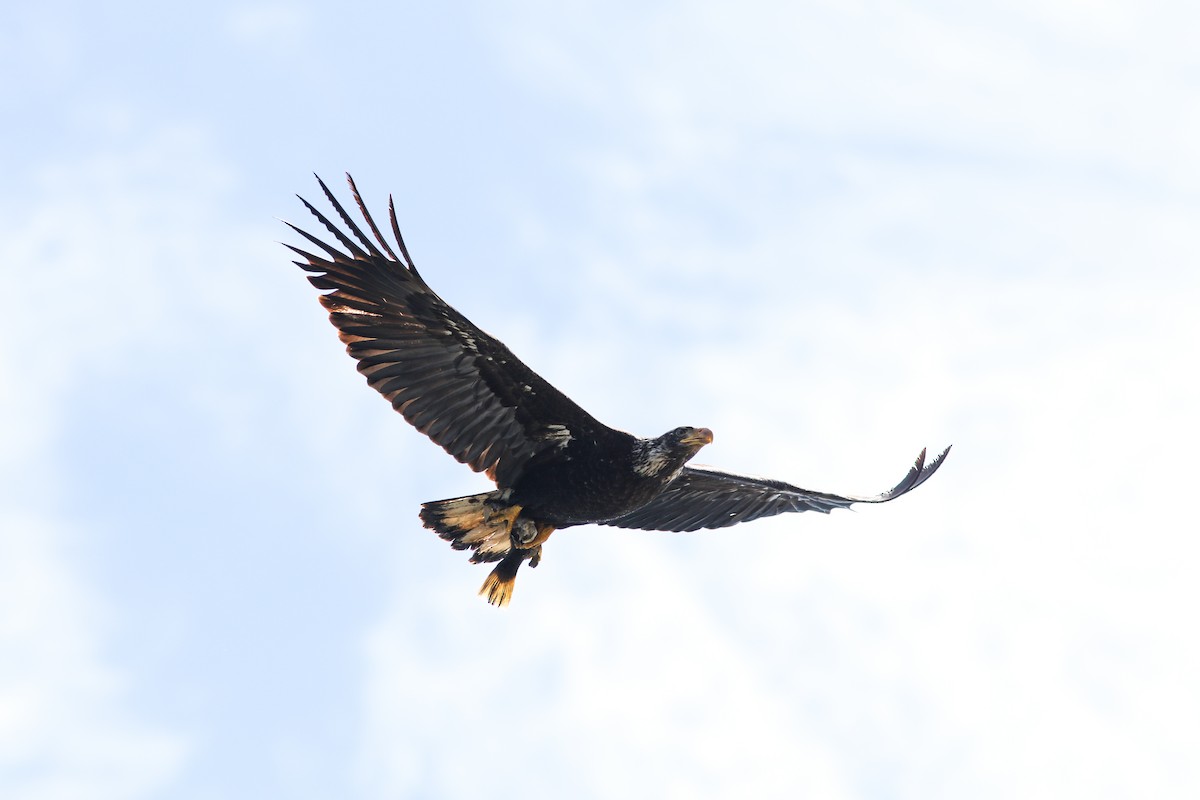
358,234
346,241
399,237
362,208
931,467
315,263
910,479
918,474
332,251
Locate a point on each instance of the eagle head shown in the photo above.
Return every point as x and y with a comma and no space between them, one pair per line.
689,439
665,455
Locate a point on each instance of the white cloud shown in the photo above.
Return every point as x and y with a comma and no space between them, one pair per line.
833,232
64,729
276,26
987,244
597,693
90,252
708,81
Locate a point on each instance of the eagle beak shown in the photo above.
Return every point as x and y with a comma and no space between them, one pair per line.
698,437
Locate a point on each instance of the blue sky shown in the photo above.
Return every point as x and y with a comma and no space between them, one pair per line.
832,232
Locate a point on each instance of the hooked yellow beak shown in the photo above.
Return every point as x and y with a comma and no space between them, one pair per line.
698,437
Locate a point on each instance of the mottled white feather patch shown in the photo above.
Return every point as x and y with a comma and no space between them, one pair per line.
559,434
652,459
465,336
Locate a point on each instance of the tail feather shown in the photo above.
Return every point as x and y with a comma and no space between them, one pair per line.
479,522
488,525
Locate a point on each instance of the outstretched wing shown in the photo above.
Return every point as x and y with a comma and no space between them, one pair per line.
456,384
702,497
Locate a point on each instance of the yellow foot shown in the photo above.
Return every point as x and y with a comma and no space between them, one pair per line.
496,590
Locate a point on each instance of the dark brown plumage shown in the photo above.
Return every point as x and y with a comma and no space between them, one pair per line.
554,465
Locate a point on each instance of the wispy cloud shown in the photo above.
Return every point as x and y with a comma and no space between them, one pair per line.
861,231
65,726
833,233
85,257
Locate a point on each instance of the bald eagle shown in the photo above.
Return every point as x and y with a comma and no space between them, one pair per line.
554,464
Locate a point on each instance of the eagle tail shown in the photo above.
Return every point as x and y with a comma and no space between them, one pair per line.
493,528
479,522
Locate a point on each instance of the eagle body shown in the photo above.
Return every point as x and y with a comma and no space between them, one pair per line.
604,478
554,465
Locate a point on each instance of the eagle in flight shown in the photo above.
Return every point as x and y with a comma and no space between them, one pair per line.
554,464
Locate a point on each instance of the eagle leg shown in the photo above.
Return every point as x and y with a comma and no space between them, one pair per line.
499,584
528,535
532,540
495,530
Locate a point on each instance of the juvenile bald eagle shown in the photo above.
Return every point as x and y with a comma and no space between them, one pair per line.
554,464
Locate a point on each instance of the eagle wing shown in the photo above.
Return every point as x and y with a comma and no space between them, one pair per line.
456,384
701,497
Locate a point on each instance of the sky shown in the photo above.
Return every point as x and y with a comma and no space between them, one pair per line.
832,232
